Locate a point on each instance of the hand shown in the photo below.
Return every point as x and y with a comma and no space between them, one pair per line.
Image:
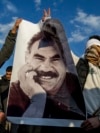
46,14
91,123
2,117
27,83
16,25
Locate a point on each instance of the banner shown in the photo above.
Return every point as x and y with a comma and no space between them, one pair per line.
44,88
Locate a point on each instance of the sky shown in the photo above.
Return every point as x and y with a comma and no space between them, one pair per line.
80,18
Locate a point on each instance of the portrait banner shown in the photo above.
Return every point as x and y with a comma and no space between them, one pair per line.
44,87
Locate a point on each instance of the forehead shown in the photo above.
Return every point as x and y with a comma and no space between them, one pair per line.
47,50
45,43
9,72
43,46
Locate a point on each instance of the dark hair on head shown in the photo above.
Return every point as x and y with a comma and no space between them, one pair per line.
94,37
35,38
39,36
9,68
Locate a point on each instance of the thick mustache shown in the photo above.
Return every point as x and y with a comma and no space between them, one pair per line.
42,73
49,73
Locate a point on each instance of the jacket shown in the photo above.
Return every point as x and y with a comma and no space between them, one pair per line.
7,48
4,88
5,54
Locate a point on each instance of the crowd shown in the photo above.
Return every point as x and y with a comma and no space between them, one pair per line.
54,66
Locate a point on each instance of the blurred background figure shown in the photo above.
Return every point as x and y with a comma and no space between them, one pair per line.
4,86
5,53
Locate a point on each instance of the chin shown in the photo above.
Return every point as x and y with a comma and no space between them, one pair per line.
47,89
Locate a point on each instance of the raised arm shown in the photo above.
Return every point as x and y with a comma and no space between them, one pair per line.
9,44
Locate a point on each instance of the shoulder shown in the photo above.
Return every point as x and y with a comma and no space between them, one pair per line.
15,90
15,87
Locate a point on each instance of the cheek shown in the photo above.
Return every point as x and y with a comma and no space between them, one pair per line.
62,72
34,63
60,67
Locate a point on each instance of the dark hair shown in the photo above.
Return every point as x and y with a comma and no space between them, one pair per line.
94,37
40,36
9,69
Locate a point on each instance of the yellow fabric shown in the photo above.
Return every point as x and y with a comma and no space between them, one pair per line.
92,54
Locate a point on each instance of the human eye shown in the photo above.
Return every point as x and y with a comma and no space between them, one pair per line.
39,57
56,58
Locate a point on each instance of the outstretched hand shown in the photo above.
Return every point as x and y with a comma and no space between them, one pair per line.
91,123
16,25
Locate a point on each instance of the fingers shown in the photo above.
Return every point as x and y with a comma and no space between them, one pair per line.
87,125
18,21
25,69
48,12
16,26
45,13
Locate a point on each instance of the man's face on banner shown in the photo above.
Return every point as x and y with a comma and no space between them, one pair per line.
49,66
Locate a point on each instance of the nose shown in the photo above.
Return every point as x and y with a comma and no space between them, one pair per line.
46,65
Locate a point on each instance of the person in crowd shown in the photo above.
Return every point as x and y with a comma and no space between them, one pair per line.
7,49
88,69
5,54
4,89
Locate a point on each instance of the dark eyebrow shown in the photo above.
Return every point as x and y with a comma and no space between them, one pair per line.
38,55
56,56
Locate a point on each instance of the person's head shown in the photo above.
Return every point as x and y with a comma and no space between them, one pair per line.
93,40
47,60
8,72
92,52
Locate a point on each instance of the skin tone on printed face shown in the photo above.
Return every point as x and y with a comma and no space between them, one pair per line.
48,65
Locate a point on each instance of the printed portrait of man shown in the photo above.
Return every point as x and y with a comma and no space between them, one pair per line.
47,85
